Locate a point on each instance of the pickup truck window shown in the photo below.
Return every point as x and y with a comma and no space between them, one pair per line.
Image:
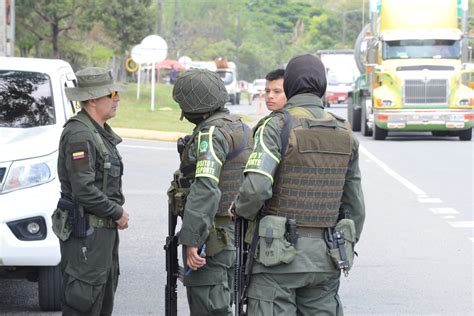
25,99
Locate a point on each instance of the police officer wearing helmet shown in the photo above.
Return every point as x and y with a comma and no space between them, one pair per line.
310,184
212,163
90,210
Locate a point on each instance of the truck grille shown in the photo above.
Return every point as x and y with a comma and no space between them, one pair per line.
420,92
2,174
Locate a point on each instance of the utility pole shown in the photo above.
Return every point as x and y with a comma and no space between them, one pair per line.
159,16
175,27
7,27
238,40
3,28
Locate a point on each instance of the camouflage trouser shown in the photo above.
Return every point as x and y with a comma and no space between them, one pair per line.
308,293
90,273
209,289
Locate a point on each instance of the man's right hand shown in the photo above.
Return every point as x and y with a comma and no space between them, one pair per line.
122,222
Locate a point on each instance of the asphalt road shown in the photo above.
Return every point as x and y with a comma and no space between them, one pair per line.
415,254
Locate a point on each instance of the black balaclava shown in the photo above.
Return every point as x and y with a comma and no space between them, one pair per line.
304,74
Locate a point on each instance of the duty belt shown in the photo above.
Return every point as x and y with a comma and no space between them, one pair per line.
311,232
101,222
222,220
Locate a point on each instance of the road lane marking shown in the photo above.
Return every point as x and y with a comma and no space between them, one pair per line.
392,173
148,147
444,210
429,200
462,224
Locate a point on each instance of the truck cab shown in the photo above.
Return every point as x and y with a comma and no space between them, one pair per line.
33,110
415,74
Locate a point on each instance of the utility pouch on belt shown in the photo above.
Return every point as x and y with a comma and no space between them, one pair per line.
217,241
273,248
60,219
340,242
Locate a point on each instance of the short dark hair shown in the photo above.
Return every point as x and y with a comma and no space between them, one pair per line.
275,74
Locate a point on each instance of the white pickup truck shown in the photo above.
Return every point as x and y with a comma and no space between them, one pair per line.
33,109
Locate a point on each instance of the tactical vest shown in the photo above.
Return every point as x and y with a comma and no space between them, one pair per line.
312,171
239,138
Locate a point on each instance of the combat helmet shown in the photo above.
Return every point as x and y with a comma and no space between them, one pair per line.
199,91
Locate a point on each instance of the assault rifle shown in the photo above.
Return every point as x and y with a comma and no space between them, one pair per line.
172,266
240,298
173,270
244,252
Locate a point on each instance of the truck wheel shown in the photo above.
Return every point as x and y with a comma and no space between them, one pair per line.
364,129
232,99
349,110
237,98
356,118
379,133
465,135
49,288
353,116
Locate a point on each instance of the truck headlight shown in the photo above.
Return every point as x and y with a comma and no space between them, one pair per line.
31,172
463,102
387,103
384,102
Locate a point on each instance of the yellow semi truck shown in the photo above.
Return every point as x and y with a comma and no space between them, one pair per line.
415,70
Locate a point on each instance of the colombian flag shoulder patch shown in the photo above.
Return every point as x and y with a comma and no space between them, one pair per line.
78,155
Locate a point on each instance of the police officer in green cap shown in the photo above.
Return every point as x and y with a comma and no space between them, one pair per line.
211,169
90,170
304,170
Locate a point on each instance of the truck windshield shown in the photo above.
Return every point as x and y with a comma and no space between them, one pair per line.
421,49
25,99
226,76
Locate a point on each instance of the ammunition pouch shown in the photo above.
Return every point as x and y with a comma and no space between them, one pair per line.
218,240
273,248
178,193
60,219
177,199
341,244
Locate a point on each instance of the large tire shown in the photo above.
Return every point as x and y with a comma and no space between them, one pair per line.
356,117
379,133
353,116
364,129
466,134
49,288
237,98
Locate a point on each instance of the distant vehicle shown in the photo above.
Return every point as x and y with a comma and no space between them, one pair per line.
257,88
341,72
33,110
228,72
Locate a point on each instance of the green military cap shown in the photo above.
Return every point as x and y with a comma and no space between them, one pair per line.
92,83
200,91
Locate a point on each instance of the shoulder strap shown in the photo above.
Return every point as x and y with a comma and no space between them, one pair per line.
102,149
